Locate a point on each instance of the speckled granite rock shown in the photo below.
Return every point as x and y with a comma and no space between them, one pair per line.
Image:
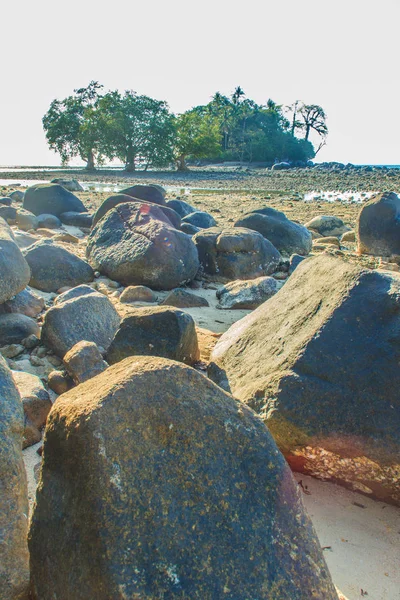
157,484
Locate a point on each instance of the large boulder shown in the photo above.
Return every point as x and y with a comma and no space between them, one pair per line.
150,193
235,253
14,557
36,404
135,244
181,207
157,484
327,225
51,198
89,317
156,331
53,267
320,362
247,294
84,361
287,236
172,217
378,227
15,327
14,270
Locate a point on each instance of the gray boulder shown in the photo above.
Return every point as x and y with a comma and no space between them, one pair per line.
156,331
14,270
14,557
183,484
84,361
287,236
90,317
49,221
53,267
77,219
72,185
150,193
200,219
26,302
172,217
183,299
247,294
137,293
4,201
79,290
15,327
51,198
17,196
36,404
327,225
235,253
138,247
189,229
378,227
320,362
8,213
181,207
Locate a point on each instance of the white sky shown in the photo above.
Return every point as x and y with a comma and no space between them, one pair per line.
342,54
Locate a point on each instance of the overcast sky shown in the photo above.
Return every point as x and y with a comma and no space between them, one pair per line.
343,55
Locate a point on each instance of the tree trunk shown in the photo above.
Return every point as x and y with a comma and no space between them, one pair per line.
90,161
181,163
308,127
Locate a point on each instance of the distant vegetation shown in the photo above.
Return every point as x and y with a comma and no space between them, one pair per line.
142,132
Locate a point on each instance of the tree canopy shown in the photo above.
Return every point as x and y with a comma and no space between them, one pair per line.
142,132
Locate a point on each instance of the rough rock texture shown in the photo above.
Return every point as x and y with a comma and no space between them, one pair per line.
167,491
51,198
327,225
90,317
247,294
349,236
287,236
200,219
36,404
189,229
136,244
14,558
236,253
26,303
79,290
378,227
15,327
59,382
14,270
184,299
77,219
156,331
320,362
149,193
137,293
84,361
172,217
53,267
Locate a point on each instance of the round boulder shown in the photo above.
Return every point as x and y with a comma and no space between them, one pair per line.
15,327
113,201
77,219
49,221
14,270
327,225
158,331
135,244
53,267
200,219
247,294
150,193
287,236
235,253
378,227
90,317
51,198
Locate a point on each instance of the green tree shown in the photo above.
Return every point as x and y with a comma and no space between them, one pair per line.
136,129
70,125
197,135
314,119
